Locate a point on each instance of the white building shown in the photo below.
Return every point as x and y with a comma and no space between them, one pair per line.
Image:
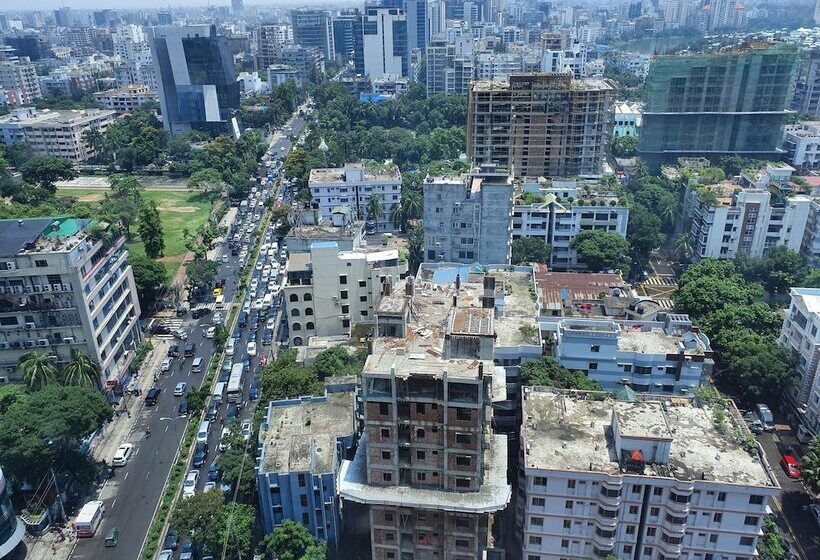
278,74
353,185
801,142
328,291
645,478
61,290
134,52
385,44
799,335
493,66
627,119
125,99
19,80
54,133
250,83
450,65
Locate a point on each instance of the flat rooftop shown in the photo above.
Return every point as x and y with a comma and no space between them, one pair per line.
810,297
396,355
566,432
373,171
326,230
557,286
50,118
494,493
39,235
301,436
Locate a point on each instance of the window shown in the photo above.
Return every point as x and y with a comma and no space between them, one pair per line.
654,512
657,491
387,477
595,348
567,524
537,521
627,549
309,325
301,479
345,309
651,531
303,500
420,408
384,408
307,297
40,263
420,433
746,541
636,488
463,460
294,312
363,313
386,455
464,414
462,483
362,299
539,502
421,477
385,432
713,538
721,496
362,284
647,551
421,455
630,529
294,297
633,510
388,516
570,484
388,536
593,365
717,518
756,499
535,540
308,311
564,543
343,294
540,481
462,543
463,438
568,504
751,520
343,279
462,523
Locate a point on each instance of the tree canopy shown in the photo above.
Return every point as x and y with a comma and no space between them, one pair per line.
285,379
337,361
548,372
149,277
205,518
530,249
602,250
291,541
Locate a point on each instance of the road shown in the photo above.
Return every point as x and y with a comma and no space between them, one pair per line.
132,496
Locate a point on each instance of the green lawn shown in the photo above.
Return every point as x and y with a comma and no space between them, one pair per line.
177,209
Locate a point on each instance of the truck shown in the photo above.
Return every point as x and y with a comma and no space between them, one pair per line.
89,519
234,393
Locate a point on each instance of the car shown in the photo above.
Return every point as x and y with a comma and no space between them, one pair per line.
252,293
789,464
224,376
267,336
166,364
210,332
253,392
217,292
246,430
254,282
189,486
233,413
166,555
212,411
257,305
122,455
225,259
200,312
181,334
173,351
210,485
200,454
270,323
246,361
218,318
171,541
213,472
179,390
237,333
223,439
190,350
814,510
259,265
160,329
243,320
187,552
182,409
251,348
756,427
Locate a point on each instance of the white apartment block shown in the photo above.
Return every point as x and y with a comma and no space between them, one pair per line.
647,477
799,335
729,220
60,290
126,98
801,143
328,291
20,81
450,66
385,43
493,66
54,133
564,209
352,185
627,119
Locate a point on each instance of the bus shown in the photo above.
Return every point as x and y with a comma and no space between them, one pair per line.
234,393
89,519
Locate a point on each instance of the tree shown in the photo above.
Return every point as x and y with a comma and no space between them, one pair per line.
45,171
122,204
415,248
780,269
810,465
238,531
220,336
207,180
770,546
548,372
236,464
284,379
530,249
46,427
337,361
205,518
38,369
397,217
374,208
82,371
19,153
711,285
624,146
644,231
682,246
150,277
758,368
755,316
315,552
601,250
200,274
150,230
288,541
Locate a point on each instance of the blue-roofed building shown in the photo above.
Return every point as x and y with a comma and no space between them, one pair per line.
303,442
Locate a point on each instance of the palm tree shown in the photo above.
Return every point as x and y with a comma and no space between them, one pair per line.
682,246
397,217
95,140
38,370
669,212
82,371
374,206
810,465
412,205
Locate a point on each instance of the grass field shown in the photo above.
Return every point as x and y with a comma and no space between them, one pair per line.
177,209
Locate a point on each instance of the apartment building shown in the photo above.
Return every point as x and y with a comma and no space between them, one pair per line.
801,142
19,79
328,291
54,133
353,185
309,227
799,336
70,82
62,290
278,74
637,477
313,29
306,60
450,67
665,355
268,45
468,219
535,125
556,211
302,444
429,469
806,98
728,219
125,99
384,41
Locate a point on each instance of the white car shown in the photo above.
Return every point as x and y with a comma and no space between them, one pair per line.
252,292
217,317
210,332
122,455
225,259
251,348
210,485
223,439
189,487
258,304
259,265
254,282
246,430
179,390
270,323
166,364
246,307
166,554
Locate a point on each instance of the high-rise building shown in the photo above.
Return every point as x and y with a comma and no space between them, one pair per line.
237,6
436,22
63,17
450,67
12,529
806,98
347,36
197,84
19,80
104,18
268,46
313,28
638,477
136,66
31,45
535,125
385,46
416,12
65,291
731,102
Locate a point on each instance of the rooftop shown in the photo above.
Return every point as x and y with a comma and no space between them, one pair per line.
369,170
494,493
39,235
572,432
558,79
47,117
301,434
809,296
558,286
326,230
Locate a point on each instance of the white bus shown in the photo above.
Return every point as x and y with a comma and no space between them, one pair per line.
234,393
89,519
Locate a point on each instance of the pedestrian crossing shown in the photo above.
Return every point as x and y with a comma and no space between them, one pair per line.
661,281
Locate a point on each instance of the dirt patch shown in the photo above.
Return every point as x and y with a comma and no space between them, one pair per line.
91,197
187,209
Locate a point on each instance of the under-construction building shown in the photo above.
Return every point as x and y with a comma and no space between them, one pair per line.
429,467
731,102
540,124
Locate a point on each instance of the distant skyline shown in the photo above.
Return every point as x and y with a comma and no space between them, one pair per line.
34,5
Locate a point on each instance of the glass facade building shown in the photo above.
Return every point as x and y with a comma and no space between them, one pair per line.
313,28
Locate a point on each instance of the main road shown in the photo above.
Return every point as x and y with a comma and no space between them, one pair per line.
132,496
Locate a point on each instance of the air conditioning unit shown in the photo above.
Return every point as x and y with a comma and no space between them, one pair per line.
66,287
29,344
18,289
68,340
29,289
4,345
29,326
57,287
16,344
38,288
42,342
46,287
10,265
2,289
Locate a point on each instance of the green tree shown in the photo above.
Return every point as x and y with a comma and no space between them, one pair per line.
415,248
315,552
150,230
397,217
810,465
284,379
770,546
207,180
200,274
374,209
758,369
236,464
600,250
205,518
530,249
288,541
122,205
220,336
82,371
682,246
624,146
337,361
19,153
149,277
755,316
812,279
548,372
45,171
644,231
38,369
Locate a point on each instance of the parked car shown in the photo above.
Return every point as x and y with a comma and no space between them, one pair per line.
173,351
166,364
789,464
122,455
189,486
187,552
200,454
171,541
213,472
200,312
246,430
